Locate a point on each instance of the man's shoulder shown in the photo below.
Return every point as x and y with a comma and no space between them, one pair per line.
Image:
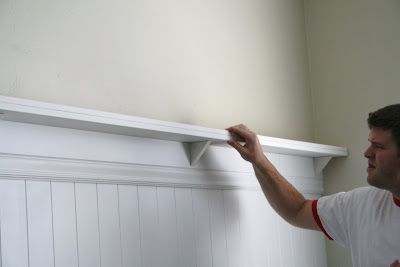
364,190
368,191
359,195
368,194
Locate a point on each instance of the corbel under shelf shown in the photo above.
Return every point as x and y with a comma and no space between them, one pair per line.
199,138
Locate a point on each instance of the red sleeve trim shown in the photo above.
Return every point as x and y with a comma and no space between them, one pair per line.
396,201
317,219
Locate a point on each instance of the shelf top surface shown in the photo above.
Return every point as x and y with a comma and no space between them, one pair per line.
28,111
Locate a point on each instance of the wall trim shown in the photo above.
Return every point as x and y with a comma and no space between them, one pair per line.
35,112
43,141
85,171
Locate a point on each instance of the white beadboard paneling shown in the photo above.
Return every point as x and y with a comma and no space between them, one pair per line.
285,251
253,229
318,244
140,210
87,225
1,264
308,258
275,246
232,223
185,223
294,241
307,253
299,249
168,235
245,226
218,231
109,225
40,224
125,225
263,224
130,225
13,227
149,225
64,223
202,229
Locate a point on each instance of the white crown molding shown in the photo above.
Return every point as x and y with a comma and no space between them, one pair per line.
84,171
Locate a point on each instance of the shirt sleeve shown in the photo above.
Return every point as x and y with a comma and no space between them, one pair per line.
332,215
318,219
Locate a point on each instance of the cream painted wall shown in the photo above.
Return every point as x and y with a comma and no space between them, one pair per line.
211,63
354,65
214,63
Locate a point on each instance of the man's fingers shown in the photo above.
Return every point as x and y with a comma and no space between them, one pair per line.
240,131
237,146
237,137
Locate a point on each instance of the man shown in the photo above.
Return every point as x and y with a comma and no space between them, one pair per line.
365,220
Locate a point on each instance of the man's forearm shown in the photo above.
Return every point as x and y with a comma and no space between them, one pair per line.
282,196
286,200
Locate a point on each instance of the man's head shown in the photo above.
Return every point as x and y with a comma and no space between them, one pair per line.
384,151
387,118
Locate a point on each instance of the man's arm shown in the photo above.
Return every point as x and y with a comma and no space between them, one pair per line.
288,202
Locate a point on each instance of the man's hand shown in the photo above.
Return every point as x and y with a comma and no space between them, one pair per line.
251,150
396,263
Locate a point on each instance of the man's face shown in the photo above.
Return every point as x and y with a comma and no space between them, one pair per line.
383,161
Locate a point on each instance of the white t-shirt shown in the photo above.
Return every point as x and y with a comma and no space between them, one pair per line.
366,221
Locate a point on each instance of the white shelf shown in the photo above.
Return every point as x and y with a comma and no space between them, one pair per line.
34,112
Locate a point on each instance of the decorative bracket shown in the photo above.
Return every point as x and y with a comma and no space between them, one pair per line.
320,163
197,150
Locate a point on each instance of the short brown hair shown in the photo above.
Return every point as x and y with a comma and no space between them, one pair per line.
387,118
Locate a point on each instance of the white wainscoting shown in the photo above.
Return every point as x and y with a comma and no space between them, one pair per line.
63,205
49,223
86,198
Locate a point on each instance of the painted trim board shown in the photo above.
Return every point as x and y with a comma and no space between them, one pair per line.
35,112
